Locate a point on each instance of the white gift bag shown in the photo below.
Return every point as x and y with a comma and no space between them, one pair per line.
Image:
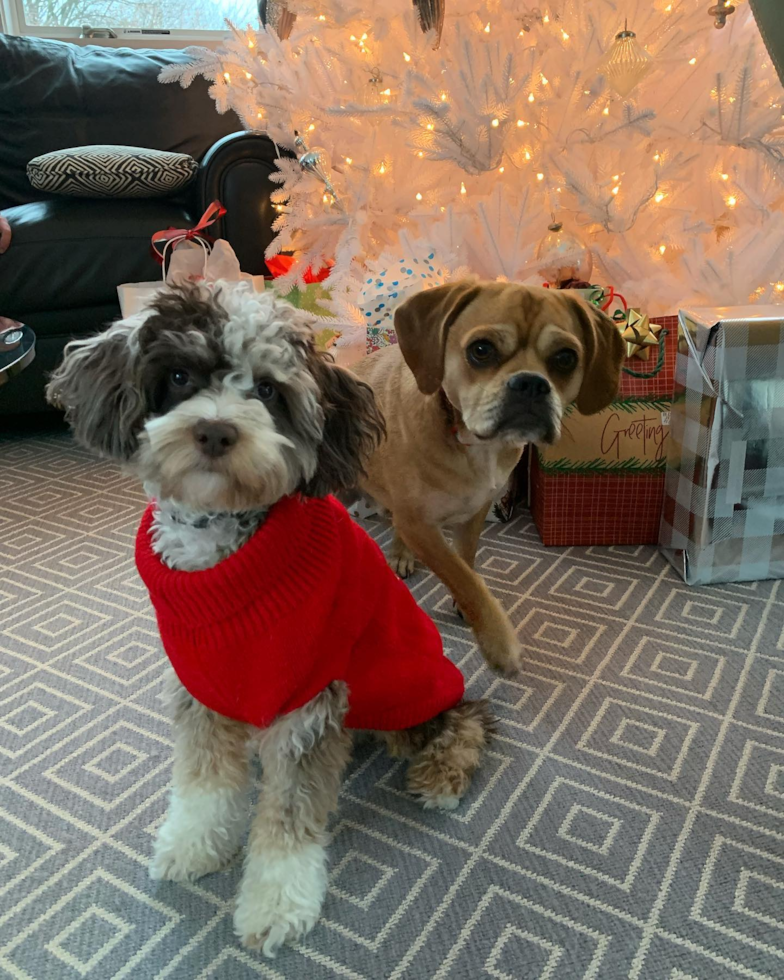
137,296
191,258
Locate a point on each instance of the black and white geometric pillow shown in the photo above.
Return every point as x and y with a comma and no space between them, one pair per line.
111,171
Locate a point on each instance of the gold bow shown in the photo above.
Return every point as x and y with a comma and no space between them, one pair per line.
639,334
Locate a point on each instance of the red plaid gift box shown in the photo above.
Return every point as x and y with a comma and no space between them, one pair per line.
603,482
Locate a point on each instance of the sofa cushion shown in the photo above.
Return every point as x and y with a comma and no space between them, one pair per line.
112,171
68,253
57,95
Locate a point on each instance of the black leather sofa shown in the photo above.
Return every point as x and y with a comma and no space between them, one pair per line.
68,255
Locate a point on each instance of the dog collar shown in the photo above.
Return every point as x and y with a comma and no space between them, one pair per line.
246,519
454,421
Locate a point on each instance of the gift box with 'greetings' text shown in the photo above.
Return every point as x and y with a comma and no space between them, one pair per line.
602,483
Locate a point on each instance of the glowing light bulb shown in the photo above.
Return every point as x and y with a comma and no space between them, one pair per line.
325,198
615,189
311,127
419,197
321,17
363,38
352,38
546,19
420,154
227,76
494,123
520,123
443,96
616,176
725,176
662,249
540,176
500,170
527,155
606,111
382,169
657,157
429,126
406,56
487,27
349,161
248,74
251,44
586,91
544,81
692,61
463,189
531,97
259,115
564,35
387,91
779,287
732,201
668,8
658,197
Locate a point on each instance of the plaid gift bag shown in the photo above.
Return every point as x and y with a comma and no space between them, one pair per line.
723,516
603,482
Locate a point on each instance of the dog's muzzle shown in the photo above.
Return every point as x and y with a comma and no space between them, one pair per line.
528,408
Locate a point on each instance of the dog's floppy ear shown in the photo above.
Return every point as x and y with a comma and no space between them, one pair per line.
96,386
422,325
353,428
604,352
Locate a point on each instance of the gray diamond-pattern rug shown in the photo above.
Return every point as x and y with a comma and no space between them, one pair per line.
627,821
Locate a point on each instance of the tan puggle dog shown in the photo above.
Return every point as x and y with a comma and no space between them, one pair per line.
481,369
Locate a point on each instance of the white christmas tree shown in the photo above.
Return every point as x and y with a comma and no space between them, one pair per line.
429,138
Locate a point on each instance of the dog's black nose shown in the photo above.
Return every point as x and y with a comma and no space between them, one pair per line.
533,385
215,438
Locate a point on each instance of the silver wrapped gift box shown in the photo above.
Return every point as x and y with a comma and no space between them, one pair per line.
723,515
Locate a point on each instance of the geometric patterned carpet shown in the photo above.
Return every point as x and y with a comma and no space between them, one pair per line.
627,822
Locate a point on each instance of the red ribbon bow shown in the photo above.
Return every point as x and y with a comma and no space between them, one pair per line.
609,300
214,211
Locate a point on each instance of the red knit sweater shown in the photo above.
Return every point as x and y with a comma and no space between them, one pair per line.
308,600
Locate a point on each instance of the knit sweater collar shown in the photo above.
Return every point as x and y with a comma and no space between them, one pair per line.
281,564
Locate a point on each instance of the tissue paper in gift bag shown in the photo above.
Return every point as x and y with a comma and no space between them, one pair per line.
723,516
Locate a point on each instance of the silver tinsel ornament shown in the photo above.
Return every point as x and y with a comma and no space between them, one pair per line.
275,14
316,162
431,17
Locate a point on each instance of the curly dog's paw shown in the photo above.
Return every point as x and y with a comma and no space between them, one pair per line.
280,898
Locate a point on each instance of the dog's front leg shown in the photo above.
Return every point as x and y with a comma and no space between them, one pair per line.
494,633
285,879
466,536
208,806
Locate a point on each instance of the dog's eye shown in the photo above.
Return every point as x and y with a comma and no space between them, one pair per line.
481,353
266,391
180,378
564,360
